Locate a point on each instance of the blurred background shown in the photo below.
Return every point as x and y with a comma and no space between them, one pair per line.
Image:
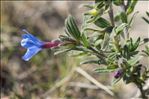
40,76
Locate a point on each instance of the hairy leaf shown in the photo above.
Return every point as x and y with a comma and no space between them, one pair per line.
90,62
117,2
110,68
84,40
105,42
101,22
119,29
71,28
131,7
145,19
134,60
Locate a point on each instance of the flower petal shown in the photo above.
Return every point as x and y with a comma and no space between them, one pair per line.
29,40
27,43
31,52
28,35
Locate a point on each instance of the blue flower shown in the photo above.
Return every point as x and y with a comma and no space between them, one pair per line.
34,45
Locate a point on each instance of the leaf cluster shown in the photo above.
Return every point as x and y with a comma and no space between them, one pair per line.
107,42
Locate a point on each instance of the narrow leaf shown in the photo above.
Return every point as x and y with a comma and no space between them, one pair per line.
120,28
84,40
105,42
117,2
101,22
146,20
147,14
62,51
123,17
104,69
131,7
71,28
90,62
134,60
133,17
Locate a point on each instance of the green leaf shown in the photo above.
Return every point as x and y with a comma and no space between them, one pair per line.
66,38
136,44
117,17
87,6
81,53
71,28
106,69
81,48
146,20
105,42
107,4
84,40
127,78
112,66
98,42
132,46
108,29
117,2
147,48
102,70
133,53
146,51
90,62
125,51
101,22
131,7
93,19
147,13
129,23
123,17
98,1
134,60
62,51
119,29
146,40
99,5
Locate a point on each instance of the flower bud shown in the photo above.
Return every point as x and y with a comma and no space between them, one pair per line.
93,12
118,73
